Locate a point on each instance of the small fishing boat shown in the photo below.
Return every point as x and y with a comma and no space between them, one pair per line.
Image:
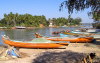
20,27
71,33
79,32
97,36
70,39
31,44
93,30
63,35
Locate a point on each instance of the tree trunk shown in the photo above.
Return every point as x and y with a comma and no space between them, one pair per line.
14,22
96,25
7,23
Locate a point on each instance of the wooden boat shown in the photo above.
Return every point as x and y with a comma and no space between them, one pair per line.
97,36
93,30
27,44
70,39
72,33
20,27
63,35
79,34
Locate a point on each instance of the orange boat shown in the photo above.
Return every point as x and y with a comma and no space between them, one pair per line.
31,45
72,40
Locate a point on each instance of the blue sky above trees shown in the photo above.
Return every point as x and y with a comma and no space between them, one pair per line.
49,8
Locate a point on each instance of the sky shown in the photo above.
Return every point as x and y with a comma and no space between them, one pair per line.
48,8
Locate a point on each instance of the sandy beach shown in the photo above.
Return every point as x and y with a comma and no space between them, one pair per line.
30,54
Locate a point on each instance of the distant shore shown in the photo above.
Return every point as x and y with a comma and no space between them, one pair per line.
6,28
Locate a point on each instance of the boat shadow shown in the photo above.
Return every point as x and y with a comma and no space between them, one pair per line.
59,57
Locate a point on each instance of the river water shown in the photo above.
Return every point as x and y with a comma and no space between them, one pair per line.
28,34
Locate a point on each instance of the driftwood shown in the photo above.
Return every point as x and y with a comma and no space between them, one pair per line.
84,60
2,51
89,58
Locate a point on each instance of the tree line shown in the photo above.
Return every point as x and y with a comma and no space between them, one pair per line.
28,20
65,21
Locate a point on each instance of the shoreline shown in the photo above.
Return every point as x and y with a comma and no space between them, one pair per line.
36,27
11,28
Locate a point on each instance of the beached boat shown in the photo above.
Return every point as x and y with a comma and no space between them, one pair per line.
93,30
31,44
63,35
97,36
78,33
70,39
71,33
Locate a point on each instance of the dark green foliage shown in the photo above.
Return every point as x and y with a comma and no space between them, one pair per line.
96,25
79,5
63,21
95,15
28,20
22,20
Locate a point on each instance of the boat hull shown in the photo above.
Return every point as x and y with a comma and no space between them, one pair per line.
72,40
33,45
93,30
20,27
76,40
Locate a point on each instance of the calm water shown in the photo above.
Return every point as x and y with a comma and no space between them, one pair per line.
28,34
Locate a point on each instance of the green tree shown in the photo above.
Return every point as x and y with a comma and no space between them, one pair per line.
29,20
10,19
77,21
6,18
70,20
79,5
95,15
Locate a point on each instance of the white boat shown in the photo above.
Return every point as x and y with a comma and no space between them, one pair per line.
93,30
96,36
20,27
